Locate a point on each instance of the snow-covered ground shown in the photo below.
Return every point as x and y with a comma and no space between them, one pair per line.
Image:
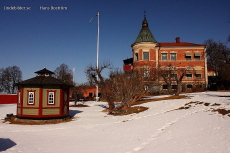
160,129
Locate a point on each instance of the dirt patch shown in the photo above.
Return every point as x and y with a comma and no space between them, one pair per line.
158,99
194,103
131,110
135,109
81,105
222,111
15,120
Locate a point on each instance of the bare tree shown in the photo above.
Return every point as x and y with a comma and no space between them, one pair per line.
127,88
64,73
166,72
96,74
1,80
218,58
119,86
10,76
172,74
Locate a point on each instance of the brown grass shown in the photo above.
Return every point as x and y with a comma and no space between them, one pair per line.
138,109
15,120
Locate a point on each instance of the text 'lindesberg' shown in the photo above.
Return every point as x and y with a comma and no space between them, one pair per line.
21,8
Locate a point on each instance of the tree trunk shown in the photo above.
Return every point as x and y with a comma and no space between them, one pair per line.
178,89
111,107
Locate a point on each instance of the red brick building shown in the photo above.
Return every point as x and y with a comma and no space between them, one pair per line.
150,55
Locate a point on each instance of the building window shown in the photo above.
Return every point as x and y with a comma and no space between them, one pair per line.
173,56
174,87
146,56
197,57
146,73
165,86
136,56
173,76
189,76
164,75
198,76
31,97
188,56
164,56
51,97
189,86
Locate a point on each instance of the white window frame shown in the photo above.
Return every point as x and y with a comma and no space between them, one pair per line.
51,97
31,97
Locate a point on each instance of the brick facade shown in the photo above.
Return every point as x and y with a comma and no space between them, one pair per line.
150,55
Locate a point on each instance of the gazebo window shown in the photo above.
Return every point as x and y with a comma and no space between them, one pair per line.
51,97
31,97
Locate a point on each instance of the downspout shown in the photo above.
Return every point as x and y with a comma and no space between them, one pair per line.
205,67
157,61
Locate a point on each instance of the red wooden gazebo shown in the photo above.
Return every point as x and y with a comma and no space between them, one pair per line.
43,97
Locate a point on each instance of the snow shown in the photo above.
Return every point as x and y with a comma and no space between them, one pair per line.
161,129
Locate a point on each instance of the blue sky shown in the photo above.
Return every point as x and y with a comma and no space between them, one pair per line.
35,39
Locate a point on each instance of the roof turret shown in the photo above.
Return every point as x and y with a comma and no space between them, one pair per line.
145,34
44,72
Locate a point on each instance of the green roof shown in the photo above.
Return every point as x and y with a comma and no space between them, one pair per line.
145,34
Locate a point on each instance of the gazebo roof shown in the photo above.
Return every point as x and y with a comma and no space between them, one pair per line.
44,71
43,80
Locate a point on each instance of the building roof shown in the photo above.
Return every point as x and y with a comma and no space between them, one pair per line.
44,71
178,44
145,34
42,80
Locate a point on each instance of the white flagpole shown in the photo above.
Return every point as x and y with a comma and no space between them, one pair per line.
98,27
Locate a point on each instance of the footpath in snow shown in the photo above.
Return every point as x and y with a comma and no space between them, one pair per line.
163,128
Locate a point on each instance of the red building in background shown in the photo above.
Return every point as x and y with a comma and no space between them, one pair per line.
149,55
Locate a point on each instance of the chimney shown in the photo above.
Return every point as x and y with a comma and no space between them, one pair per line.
177,39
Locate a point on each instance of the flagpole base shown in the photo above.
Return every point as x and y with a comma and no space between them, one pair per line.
97,99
